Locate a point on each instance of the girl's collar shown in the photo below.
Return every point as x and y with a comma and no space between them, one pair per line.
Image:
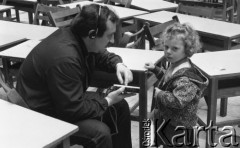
173,65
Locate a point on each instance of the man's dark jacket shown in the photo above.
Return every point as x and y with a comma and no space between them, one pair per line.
55,75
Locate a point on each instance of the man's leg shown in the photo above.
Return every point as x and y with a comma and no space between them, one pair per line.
123,137
92,134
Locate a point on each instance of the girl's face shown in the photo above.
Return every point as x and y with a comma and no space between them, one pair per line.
174,49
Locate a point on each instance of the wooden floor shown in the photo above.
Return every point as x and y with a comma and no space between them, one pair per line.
233,110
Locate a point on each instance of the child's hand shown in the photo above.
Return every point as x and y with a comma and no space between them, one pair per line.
149,66
157,90
152,114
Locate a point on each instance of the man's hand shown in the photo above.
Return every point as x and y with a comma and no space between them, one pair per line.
117,95
124,74
152,114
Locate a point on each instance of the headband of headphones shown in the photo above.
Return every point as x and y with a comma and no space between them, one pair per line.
93,33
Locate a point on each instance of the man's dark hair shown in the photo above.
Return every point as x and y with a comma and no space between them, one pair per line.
89,19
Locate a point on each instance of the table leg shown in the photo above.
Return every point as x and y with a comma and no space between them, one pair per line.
9,15
142,106
30,17
64,144
224,101
227,44
212,108
8,78
17,15
238,11
223,107
118,34
139,25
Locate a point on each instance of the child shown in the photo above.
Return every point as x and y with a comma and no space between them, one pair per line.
179,88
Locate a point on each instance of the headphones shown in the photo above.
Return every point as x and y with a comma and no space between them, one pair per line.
93,33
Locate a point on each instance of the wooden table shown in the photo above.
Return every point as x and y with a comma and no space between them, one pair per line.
14,33
141,75
223,71
7,9
153,5
24,128
124,14
4,8
7,41
27,31
18,53
222,31
24,5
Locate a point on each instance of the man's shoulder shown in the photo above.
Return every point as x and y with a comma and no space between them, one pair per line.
61,36
57,49
60,42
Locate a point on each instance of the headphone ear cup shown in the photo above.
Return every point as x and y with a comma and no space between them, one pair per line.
92,34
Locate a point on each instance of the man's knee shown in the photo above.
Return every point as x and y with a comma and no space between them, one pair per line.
103,131
92,133
103,135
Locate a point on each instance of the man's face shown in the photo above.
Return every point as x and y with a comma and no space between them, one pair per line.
101,42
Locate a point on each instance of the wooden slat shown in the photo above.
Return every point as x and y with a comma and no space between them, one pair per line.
196,10
63,18
228,123
229,92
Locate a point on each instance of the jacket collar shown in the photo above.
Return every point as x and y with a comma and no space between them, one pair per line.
81,43
194,74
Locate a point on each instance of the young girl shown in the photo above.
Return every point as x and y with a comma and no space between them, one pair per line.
179,88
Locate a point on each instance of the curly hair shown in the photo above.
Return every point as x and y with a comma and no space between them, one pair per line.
185,32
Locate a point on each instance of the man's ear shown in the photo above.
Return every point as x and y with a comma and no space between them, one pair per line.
92,34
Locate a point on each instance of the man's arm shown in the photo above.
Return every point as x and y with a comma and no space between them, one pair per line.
107,61
111,62
67,84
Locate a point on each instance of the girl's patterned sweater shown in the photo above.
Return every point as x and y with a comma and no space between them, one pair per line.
179,98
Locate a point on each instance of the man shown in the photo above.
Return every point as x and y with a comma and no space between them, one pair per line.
55,75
